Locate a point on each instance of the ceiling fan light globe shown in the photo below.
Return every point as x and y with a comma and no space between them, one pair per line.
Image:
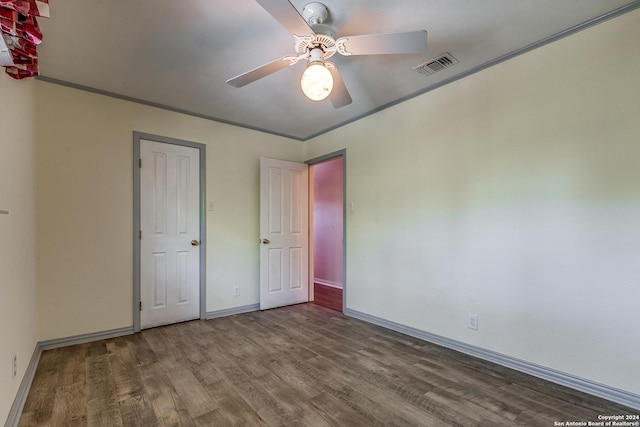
316,81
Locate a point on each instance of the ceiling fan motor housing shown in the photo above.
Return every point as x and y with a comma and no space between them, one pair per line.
315,13
317,16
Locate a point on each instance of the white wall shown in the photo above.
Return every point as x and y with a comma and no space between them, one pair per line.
85,196
513,194
18,316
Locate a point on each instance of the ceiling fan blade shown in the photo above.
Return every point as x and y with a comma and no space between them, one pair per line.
260,72
287,15
339,95
376,44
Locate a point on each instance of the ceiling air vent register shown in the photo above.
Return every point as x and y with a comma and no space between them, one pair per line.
443,61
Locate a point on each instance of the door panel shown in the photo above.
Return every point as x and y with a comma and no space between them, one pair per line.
297,180
295,268
159,280
274,201
284,229
170,220
275,270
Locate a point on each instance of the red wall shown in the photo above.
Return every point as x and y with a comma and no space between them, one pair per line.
327,221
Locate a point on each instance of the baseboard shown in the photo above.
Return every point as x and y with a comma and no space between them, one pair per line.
590,387
329,283
232,311
84,338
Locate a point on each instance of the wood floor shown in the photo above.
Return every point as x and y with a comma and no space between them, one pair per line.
327,296
303,365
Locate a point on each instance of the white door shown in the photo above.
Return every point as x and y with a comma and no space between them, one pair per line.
170,233
284,231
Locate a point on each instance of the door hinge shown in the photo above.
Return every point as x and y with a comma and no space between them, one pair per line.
140,306
139,163
140,234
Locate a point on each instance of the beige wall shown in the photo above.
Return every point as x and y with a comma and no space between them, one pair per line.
85,193
18,314
513,194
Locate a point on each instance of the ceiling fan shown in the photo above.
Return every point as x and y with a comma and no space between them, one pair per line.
315,42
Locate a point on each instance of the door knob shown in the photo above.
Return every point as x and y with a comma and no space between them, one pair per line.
266,241
195,242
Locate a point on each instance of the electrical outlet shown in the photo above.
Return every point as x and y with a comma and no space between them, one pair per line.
472,321
14,366
236,291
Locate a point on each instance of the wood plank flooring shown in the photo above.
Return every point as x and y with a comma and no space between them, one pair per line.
303,365
327,296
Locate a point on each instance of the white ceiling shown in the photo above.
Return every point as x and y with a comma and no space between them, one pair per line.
178,54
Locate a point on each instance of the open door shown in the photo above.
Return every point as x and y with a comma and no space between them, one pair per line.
284,233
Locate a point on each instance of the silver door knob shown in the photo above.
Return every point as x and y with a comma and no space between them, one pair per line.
266,241
195,242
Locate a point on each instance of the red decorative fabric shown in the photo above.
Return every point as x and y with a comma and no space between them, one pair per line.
18,72
21,33
20,6
39,8
8,19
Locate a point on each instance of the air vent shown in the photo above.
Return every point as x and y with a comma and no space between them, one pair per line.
6,59
441,62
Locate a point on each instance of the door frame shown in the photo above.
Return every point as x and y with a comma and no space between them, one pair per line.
137,137
340,153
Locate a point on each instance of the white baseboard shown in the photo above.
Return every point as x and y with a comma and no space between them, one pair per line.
329,283
590,387
232,311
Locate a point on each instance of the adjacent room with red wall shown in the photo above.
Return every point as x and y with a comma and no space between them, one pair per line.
328,209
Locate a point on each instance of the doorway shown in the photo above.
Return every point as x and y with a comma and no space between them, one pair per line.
327,241
169,231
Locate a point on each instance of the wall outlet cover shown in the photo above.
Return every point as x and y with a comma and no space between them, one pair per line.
14,366
472,321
